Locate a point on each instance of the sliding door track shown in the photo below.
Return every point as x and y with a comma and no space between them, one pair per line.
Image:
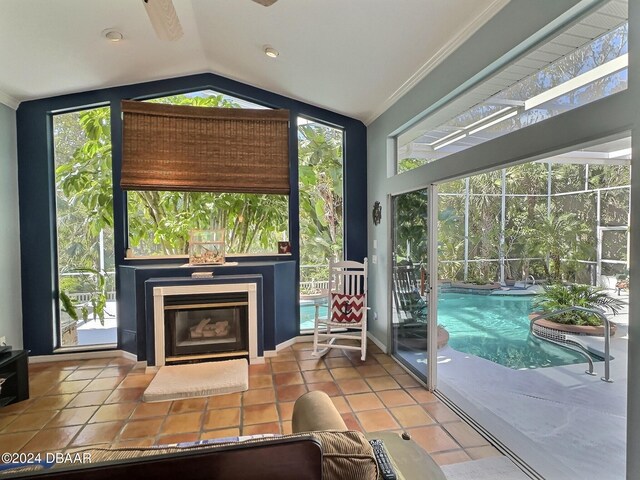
501,447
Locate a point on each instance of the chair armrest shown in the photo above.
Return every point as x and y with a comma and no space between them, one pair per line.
314,411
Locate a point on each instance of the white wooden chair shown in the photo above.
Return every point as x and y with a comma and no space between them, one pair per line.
347,309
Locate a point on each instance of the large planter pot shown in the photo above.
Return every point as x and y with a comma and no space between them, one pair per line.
443,337
562,328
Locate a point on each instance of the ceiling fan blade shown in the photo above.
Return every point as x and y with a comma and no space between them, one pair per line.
266,3
164,19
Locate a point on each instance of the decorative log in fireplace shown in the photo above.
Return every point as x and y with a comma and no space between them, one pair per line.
206,325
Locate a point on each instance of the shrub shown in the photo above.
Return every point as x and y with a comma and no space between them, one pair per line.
558,297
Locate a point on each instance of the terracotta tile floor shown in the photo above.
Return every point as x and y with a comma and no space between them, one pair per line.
98,402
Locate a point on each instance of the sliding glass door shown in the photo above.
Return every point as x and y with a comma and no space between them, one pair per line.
413,292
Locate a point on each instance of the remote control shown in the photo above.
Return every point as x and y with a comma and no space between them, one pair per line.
382,459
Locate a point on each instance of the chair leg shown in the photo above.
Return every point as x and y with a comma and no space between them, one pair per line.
315,338
363,344
316,342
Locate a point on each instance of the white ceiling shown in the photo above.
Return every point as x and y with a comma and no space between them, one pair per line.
355,57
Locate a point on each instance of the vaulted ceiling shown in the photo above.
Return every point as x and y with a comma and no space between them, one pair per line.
355,57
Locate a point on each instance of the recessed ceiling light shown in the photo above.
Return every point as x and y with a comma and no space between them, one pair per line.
112,35
270,51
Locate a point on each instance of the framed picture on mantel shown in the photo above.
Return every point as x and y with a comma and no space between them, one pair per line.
284,247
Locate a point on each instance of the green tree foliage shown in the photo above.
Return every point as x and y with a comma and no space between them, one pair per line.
84,204
550,245
320,177
84,198
561,235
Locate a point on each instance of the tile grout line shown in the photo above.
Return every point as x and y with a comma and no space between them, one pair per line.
341,361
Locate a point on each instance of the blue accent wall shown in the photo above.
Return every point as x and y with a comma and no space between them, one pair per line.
37,194
276,298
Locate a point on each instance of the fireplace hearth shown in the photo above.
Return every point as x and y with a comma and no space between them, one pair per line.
206,324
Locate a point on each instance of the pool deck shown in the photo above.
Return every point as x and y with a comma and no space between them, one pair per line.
530,290
562,422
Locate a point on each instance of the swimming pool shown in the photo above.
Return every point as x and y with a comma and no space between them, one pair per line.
308,313
496,327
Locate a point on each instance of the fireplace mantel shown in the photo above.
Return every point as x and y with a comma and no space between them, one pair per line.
277,315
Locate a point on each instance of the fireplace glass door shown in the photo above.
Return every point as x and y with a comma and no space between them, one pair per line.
209,326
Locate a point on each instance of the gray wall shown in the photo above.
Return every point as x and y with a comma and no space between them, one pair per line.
495,43
10,296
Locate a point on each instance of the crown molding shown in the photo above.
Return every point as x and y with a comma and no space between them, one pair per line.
438,57
9,101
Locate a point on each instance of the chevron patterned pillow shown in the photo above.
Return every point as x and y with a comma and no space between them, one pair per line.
347,308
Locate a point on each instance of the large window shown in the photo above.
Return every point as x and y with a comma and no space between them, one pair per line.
84,212
320,156
160,221
567,72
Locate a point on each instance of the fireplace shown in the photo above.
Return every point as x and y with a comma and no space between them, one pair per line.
206,325
203,322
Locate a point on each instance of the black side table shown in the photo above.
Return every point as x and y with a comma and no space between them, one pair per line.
14,368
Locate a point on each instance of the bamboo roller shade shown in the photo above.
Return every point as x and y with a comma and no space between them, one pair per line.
185,148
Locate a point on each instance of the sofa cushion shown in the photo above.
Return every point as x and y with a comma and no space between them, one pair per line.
346,455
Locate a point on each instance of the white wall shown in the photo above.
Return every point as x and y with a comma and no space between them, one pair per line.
10,292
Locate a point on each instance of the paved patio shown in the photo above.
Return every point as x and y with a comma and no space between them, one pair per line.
561,421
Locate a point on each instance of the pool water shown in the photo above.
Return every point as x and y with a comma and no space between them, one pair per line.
308,314
494,327
497,328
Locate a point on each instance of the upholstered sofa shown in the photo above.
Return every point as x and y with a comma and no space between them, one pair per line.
321,447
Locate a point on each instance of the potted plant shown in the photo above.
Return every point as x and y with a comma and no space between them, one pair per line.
558,297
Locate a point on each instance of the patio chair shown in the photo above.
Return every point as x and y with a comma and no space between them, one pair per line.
347,299
409,303
410,319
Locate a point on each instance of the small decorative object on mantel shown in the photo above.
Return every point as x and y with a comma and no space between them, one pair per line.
377,213
202,275
284,247
206,247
